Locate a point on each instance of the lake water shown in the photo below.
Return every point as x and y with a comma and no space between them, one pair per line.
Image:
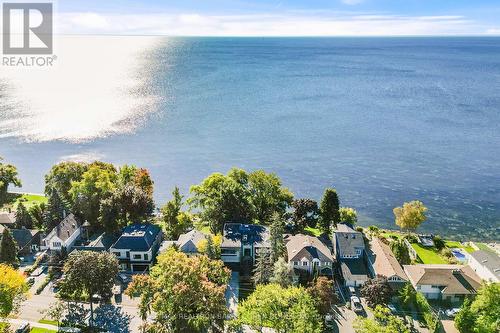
384,120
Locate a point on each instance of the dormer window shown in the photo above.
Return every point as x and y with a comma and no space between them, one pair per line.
245,238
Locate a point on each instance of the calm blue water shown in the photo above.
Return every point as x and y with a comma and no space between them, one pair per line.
384,120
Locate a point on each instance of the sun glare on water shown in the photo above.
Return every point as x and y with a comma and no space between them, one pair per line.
99,86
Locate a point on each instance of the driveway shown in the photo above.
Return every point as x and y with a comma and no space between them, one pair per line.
232,293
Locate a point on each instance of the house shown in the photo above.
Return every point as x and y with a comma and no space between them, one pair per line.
188,242
349,247
99,242
65,234
309,254
443,282
486,264
137,247
28,241
7,219
243,242
384,263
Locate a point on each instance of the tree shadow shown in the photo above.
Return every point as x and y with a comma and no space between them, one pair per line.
112,319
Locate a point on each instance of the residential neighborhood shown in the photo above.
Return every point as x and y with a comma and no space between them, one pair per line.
346,276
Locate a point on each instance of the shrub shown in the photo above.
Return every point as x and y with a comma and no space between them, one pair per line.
411,238
439,242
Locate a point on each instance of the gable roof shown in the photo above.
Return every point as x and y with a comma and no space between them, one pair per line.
348,240
65,229
354,269
384,261
24,236
456,279
236,233
304,246
490,260
188,242
137,237
7,218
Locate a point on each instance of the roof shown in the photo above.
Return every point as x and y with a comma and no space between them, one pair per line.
348,240
384,261
7,218
102,241
353,269
137,237
455,279
23,236
237,233
300,246
490,260
188,242
65,229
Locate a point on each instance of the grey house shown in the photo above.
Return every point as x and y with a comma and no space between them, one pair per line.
243,243
349,247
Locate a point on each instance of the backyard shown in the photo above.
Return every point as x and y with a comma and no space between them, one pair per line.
28,200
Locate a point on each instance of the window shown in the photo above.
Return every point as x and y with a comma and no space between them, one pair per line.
118,254
56,244
295,263
226,252
137,256
358,252
146,256
128,254
305,263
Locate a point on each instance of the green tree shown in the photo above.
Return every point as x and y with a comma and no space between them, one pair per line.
348,216
305,213
210,246
410,215
401,251
187,294
323,294
267,195
290,310
276,231
38,214
23,217
282,273
483,314
8,249
174,221
13,289
96,185
58,181
329,210
377,291
8,176
383,322
86,274
407,295
221,199
263,269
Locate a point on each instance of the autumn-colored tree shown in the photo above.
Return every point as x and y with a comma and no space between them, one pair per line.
13,289
410,215
322,291
348,216
377,291
210,246
187,294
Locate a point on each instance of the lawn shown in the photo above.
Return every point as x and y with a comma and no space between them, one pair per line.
49,322
484,247
454,244
389,234
28,200
312,231
41,330
428,255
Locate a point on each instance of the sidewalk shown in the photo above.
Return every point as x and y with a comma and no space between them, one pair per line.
18,322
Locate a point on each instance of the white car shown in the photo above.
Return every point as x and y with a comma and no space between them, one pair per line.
392,308
452,312
356,304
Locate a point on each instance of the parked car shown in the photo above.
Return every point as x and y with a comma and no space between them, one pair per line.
452,312
329,321
23,328
124,278
352,290
31,281
356,304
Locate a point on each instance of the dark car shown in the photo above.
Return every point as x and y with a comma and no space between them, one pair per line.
23,328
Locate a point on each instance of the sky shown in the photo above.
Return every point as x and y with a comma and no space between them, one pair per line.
279,17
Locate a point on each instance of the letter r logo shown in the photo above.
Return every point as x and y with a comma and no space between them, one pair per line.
27,28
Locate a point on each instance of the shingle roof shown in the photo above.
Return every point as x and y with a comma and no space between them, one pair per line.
137,237
23,236
300,246
456,279
188,242
65,229
384,261
348,240
353,269
237,233
489,260
7,218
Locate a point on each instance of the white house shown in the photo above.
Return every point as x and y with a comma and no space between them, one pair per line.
137,247
309,254
486,264
63,235
443,282
349,247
